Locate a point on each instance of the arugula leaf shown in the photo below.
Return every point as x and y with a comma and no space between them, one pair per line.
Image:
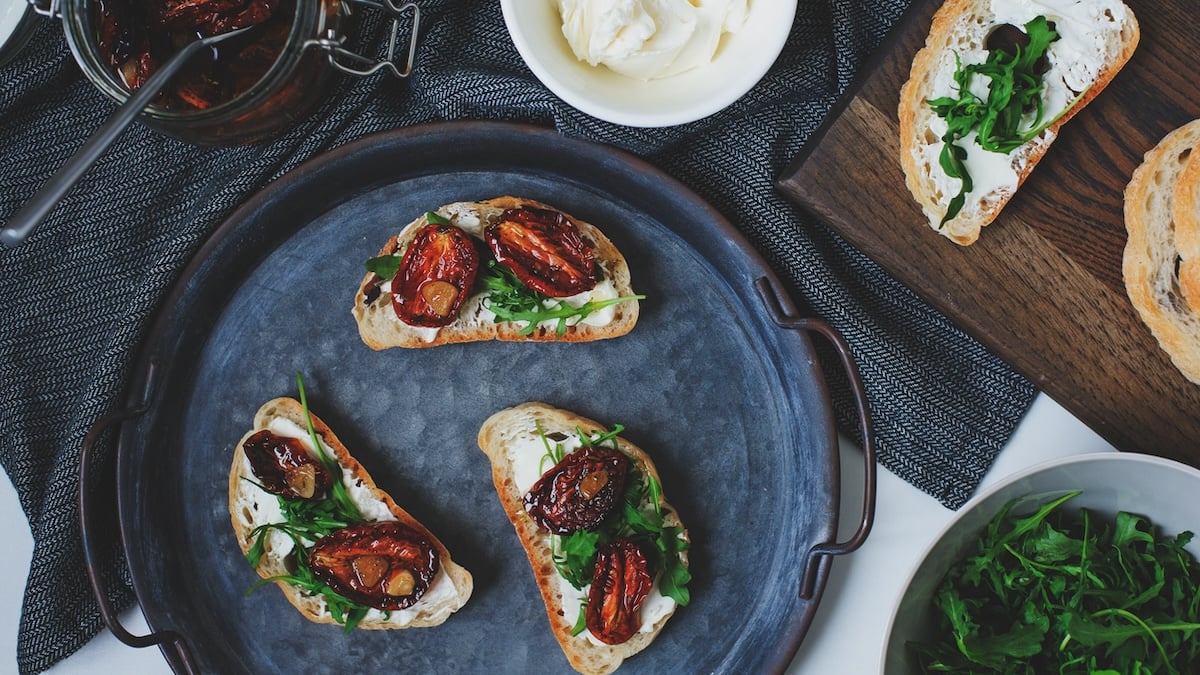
663,545
337,491
1014,90
554,453
597,439
575,556
1067,591
343,610
385,266
675,577
511,300
581,621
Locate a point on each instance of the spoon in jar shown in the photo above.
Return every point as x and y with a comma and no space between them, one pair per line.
23,223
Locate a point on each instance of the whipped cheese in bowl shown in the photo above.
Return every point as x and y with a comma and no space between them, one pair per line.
649,63
649,39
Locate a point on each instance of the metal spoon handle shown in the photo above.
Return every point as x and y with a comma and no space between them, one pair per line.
35,211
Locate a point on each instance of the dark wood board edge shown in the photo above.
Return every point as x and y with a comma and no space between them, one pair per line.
1043,302
878,60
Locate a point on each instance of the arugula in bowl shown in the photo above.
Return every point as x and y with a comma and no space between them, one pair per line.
1068,591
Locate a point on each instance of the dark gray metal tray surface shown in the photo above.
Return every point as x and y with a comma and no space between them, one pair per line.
731,406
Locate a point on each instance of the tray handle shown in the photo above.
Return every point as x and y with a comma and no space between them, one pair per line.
89,524
784,314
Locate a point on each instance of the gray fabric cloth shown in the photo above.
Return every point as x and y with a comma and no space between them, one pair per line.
75,298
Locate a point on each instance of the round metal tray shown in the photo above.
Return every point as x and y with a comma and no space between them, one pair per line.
730,403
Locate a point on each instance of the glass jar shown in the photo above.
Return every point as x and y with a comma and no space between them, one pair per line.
298,78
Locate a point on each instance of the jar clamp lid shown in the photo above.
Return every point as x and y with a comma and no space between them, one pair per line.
353,63
340,57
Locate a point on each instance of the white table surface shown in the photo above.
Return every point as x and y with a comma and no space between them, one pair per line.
847,633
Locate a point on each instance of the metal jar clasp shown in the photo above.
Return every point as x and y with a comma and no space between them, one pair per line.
354,63
50,8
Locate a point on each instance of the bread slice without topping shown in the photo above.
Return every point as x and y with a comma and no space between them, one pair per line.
514,441
380,328
1096,38
250,506
1153,249
1186,214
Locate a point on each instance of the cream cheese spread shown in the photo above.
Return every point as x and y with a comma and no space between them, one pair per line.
649,39
1086,29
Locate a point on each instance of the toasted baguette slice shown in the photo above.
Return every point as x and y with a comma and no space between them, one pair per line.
1096,38
251,506
1186,213
380,328
1152,249
513,444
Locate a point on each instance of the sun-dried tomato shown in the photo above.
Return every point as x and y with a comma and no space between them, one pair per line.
545,249
386,565
135,36
579,492
210,17
284,466
620,584
435,276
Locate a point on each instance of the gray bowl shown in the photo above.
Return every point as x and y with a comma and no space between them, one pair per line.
1159,489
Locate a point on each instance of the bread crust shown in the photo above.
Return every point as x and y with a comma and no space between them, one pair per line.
380,328
1152,250
495,436
248,504
965,24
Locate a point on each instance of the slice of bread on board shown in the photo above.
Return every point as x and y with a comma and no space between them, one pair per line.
514,441
380,328
1096,38
1186,214
1154,267
250,506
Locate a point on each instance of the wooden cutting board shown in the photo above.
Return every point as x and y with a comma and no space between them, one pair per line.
1042,288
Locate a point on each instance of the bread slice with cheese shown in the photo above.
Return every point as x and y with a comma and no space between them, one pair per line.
1155,284
516,442
250,506
381,328
1095,40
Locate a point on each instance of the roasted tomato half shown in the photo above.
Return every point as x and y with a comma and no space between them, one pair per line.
620,584
210,17
435,276
579,492
544,249
385,565
284,467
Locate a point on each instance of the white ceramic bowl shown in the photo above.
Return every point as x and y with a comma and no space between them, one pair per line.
741,61
1159,489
